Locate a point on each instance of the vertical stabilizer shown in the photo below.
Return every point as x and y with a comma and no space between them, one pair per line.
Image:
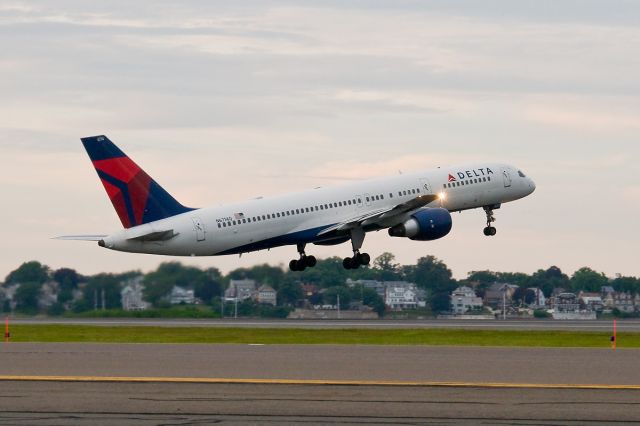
136,197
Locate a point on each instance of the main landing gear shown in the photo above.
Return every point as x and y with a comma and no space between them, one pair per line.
358,259
489,230
299,265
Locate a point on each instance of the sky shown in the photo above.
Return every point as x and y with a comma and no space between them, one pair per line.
226,101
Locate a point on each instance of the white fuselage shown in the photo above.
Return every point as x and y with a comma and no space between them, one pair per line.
298,218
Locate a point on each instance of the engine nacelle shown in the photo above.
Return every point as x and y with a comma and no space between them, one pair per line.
425,225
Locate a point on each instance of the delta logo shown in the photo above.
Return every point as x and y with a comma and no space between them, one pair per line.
467,174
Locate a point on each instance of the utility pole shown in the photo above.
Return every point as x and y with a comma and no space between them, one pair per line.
104,302
504,302
338,305
221,303
235,288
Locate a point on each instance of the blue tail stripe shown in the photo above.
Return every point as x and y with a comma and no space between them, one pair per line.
101,148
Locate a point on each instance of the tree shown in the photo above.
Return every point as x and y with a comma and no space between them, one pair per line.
33,272
373,299
385,267
524,296
331,296
440,301
26,297
432,274
289,293
264,274
548,280
99,286
483,278
66,277
589,280
158,284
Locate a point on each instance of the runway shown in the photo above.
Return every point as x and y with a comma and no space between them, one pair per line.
629,325
333,384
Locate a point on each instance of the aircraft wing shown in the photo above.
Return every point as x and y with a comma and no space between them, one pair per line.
373,217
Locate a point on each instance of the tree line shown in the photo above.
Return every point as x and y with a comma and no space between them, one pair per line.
428,273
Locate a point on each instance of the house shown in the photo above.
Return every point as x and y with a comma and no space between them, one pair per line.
464,299
590,301
379,287
565,303
624,302
266,294
181,295
131,295
499,293
399,296
240,290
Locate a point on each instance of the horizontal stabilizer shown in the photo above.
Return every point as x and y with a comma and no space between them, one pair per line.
155,236
81,237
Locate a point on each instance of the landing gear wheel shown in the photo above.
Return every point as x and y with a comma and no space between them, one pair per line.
296,265
348,263
299,265
363,258
309,261
490,231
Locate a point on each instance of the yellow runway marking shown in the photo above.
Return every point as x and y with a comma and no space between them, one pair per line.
314,382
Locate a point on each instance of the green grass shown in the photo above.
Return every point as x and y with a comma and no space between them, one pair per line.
105,334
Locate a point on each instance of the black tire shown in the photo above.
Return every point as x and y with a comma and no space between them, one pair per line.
486,231
492,231
364,258
293,265
347,263
310,261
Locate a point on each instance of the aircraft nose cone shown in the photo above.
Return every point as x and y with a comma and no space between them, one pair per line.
532,186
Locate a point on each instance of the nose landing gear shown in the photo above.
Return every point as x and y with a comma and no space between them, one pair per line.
489,230
299,265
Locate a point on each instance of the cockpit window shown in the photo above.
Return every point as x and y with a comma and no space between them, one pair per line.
521,174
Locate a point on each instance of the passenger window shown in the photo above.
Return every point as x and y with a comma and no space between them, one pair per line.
219,226
326,207
349,202
489,178
367,198
390,195
234,223
297,211
360,200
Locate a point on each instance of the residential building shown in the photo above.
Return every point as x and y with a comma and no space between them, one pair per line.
590,301
565,302
266,294
464,299
624,302
399,296
499,293
131,296
240,290
379,287
180,295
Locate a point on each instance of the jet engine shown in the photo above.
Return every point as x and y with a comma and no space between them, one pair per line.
425,225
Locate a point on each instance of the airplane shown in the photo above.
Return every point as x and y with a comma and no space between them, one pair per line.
417,206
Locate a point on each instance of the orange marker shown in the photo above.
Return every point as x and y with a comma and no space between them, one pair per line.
615,331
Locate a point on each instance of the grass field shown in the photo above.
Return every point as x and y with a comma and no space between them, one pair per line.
101,334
